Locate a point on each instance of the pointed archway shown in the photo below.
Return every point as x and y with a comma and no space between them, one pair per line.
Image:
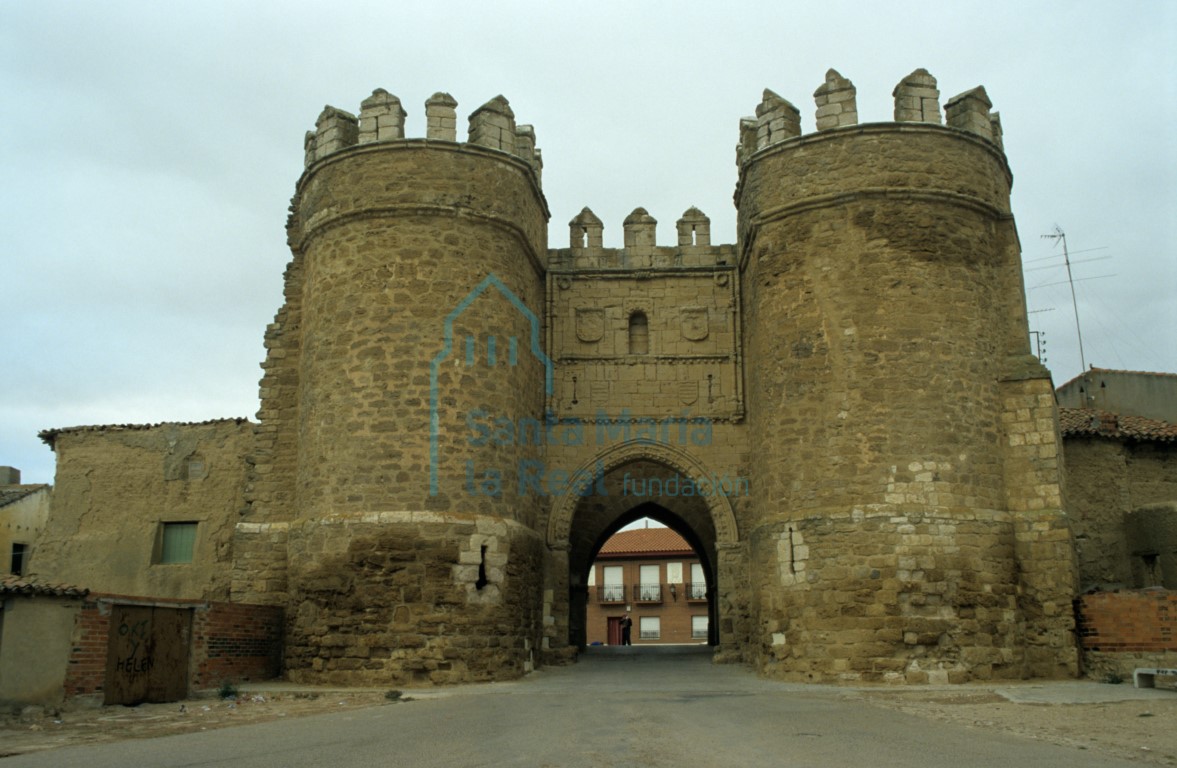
628,480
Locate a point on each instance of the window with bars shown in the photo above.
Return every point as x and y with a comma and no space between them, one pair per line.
650,627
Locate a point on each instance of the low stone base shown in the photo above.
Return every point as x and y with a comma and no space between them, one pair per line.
412,598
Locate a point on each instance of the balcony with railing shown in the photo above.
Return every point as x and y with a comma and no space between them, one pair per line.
695,592
647,593
611,593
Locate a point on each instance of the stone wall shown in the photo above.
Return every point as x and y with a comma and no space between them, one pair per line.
1106,480
259,541
1044,554
115,488
406,598
648,403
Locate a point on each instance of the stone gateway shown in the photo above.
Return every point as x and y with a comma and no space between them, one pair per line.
840,412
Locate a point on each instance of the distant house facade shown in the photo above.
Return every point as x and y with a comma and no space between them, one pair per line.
655,576
24,510
146,510
1120,462
1150,395
37,634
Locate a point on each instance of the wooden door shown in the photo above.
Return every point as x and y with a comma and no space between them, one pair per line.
147,654
614,630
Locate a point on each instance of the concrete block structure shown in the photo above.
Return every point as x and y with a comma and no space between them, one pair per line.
839,412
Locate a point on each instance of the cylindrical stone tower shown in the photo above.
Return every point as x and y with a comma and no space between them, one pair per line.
883,312
418,281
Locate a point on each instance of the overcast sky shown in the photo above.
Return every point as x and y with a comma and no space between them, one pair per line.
149,151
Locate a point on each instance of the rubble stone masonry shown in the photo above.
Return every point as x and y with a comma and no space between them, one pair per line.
839,412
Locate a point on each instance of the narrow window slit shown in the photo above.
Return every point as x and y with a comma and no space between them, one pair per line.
482,580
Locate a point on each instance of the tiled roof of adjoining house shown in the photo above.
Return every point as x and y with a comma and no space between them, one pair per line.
645,541
15,585
12,493
1092,422
49,435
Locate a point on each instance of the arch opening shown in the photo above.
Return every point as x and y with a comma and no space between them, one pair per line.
580,525
659,577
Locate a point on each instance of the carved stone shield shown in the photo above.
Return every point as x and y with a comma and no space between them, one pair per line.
688,392
694,323
590,324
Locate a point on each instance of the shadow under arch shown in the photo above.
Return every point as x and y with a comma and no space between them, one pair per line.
581,522
720,508
660,514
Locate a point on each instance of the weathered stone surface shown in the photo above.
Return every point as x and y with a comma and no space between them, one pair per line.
839,412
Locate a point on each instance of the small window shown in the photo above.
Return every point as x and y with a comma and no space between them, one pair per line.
651,627
698,627
177,542
639,334
20,553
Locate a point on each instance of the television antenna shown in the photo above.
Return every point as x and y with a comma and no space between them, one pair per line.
1059,235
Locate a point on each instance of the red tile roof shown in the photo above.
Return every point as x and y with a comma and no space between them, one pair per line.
16,585
644,541
1092,422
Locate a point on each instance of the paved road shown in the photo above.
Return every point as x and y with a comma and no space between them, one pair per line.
605,712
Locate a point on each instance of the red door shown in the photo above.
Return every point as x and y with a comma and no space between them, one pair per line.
614,630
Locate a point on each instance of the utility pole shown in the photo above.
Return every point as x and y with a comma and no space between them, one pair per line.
1057,235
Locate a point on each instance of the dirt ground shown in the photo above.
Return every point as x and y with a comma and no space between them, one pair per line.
38,729
1145,731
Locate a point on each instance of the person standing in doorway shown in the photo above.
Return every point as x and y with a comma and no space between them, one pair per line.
626,625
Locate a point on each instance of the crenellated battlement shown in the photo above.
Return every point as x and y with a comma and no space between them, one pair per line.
693,248
382,119
917,100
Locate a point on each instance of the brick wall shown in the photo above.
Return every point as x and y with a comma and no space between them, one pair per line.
235,642
85,673
674,611
232,642
1120,631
